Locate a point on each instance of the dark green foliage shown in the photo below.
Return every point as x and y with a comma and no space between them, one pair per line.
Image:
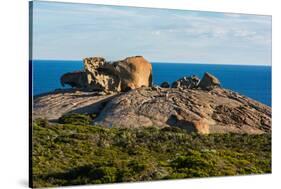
72,155
76,119
42,122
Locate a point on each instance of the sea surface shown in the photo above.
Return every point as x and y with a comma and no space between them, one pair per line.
251,81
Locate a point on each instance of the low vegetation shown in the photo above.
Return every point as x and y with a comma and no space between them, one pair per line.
75,153
76,119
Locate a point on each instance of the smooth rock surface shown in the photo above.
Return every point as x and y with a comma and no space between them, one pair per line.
216,111
196,110
53,105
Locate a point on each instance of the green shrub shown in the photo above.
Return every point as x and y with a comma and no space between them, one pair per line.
104,174
173,129
75,119
42,122
194,160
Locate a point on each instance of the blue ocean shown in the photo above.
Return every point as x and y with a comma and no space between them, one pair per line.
251,81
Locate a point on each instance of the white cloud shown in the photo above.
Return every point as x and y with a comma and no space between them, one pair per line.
71,31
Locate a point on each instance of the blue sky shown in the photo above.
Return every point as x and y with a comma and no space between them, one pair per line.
72,31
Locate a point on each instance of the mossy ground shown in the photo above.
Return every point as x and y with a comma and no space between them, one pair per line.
68,154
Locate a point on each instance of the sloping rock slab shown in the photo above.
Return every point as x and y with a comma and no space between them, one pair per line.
53,105
216,111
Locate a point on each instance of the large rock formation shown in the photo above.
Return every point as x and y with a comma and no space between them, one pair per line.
197,106
216,111
100,75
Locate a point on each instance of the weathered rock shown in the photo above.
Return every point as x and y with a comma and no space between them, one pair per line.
211,110
101,75
209,82
176,84
218,111
135,72
123,75
55,104
186,82
165,84
194,80
76,79
201,111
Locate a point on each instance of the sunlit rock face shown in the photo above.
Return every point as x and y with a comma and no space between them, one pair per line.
100,75
130,73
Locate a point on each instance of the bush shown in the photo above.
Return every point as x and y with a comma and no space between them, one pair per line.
172,129
104,174
75,119
42,122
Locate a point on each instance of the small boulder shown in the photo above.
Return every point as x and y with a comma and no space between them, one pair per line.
209,82
165,84
175,84
77,79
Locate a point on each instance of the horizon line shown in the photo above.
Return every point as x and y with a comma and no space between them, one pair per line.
165,62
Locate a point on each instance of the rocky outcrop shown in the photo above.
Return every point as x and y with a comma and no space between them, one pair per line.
100,75
189,82
217,111
53,105
209,82
196,106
